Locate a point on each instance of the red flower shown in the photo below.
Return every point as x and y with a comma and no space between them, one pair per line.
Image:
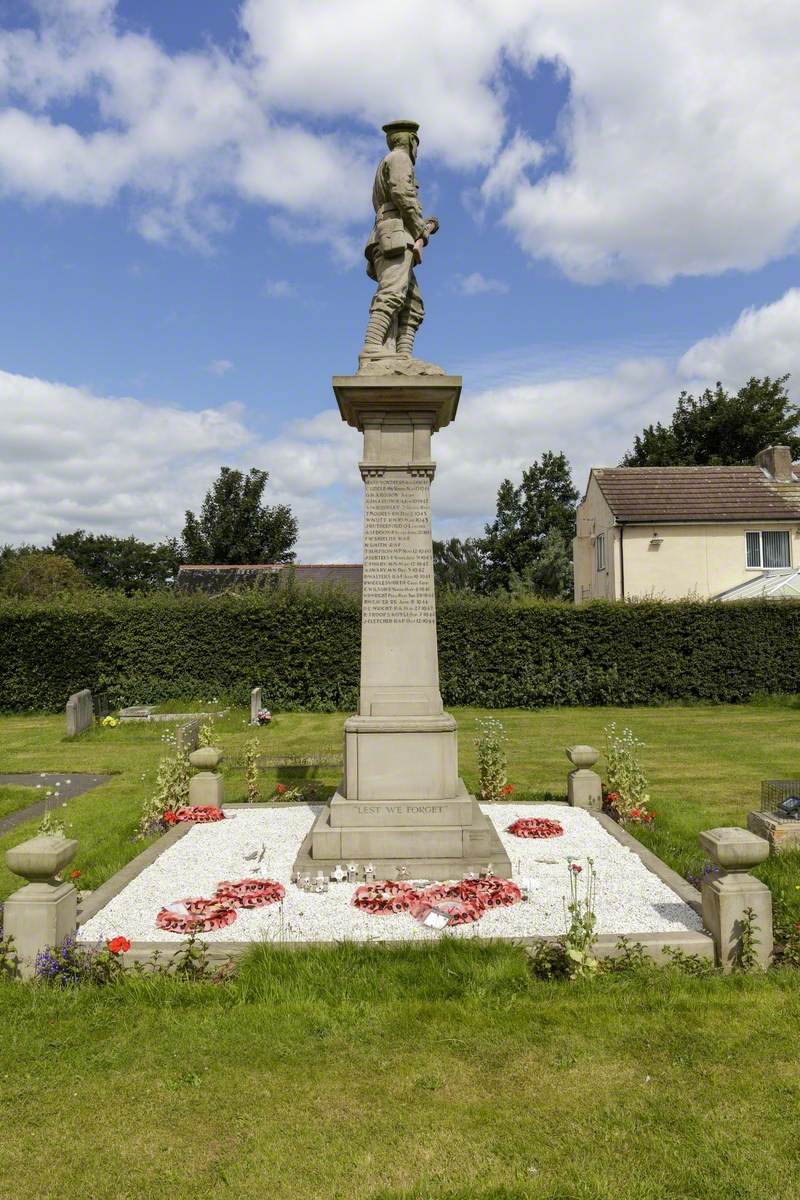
636,812
574,867
119,945
169,818
612,797
74,874
507,790
280,788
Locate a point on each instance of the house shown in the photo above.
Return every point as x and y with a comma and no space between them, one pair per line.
676,532
215,579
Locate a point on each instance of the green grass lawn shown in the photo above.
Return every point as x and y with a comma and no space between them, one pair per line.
13,798
435,1073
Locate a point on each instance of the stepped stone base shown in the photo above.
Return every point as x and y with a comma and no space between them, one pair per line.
399,835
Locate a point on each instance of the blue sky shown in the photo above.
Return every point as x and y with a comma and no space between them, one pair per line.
184,194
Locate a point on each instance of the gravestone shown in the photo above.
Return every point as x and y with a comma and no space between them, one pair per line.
401,802
255,705
187,737
102,705
79,712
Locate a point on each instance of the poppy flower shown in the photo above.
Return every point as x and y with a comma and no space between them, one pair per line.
280,788
169,818
74,874
507,790
118,945
575,868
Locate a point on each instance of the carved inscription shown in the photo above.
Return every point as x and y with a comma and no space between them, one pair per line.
373,810
398,559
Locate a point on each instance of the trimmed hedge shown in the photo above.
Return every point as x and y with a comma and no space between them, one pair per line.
303,648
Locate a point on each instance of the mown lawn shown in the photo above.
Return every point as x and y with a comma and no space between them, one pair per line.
434,1073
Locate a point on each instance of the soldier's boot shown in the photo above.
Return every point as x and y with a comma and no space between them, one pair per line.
375,337
406,332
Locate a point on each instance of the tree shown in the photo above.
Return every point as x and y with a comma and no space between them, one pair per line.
458,565
533,530
126,564
235,527
721,429
550,575
40,575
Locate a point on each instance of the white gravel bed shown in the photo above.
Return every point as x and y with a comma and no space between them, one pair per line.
629,898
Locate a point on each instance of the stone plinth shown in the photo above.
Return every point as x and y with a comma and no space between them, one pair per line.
401,802
781,833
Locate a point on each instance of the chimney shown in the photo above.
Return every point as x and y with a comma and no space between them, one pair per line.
777,462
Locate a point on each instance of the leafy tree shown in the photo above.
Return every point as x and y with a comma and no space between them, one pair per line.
126,564
533,530
458,565
235,527
551,574
40,575
719,428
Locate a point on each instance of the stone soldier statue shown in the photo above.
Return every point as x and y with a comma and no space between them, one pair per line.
392,251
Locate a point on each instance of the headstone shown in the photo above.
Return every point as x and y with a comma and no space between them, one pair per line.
402,800
44,912
80,713
187,737
727,898
137,712
255,705
102,705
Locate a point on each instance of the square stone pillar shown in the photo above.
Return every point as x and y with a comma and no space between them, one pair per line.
727,899
401,801
44,912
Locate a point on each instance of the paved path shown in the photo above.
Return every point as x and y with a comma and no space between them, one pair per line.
72,785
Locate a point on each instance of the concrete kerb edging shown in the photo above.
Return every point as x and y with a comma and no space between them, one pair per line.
605,946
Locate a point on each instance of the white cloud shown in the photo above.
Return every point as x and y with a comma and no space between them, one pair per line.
676,151
477,284
219,366
71,459
279,289
764,341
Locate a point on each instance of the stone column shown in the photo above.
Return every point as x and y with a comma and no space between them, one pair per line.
401,800
44,912
726,899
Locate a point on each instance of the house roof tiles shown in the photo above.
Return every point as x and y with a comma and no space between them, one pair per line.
644,494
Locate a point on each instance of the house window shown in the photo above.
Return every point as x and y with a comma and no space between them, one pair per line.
768,549
600,552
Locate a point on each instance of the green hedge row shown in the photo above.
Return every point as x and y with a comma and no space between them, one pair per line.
304,650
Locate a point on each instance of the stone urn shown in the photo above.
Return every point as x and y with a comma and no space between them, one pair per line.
207,758
41,858
734,849
582,757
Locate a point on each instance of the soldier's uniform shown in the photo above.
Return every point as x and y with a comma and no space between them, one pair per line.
396,311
